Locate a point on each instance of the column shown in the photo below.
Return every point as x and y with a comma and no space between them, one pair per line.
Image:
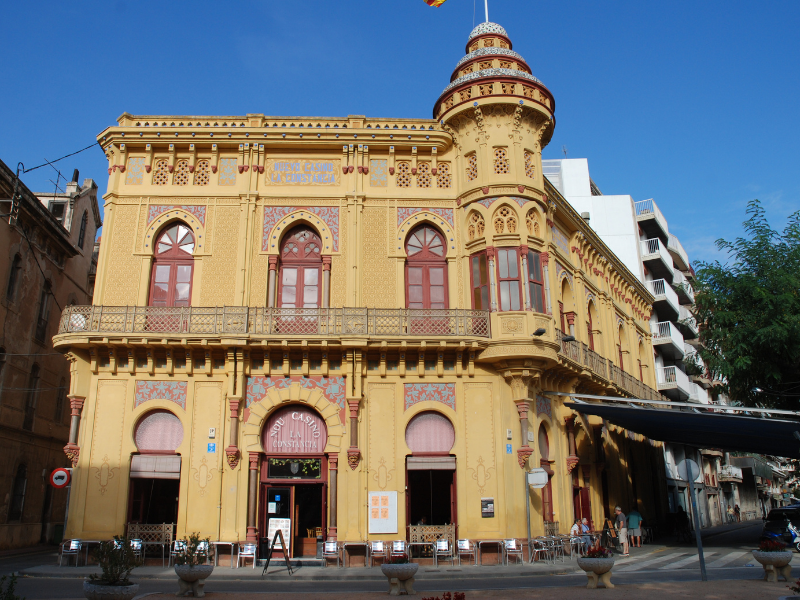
273,269
571,321
326,281
526,291
252,498
232,451
492,284
333,466
72,450
545,258
524,452
518,379
572,459
353,453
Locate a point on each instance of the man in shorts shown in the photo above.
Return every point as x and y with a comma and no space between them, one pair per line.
635,528
621,525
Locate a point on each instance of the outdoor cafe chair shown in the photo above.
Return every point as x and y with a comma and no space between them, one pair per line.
376,550
466,548
575,546
71,548
246,551
444,550
330,550
398,548
537,550
178,547
512,547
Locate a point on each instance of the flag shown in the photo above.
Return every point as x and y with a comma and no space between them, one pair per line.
434,2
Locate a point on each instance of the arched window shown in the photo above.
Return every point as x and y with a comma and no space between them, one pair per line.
426,269
621,347
171,279
181,173
201,176
44,312
18,494
13,278
475,226
159,431
30,398
301,269
82,232
430,432
161,173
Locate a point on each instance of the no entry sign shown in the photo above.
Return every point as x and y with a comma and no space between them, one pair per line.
59,478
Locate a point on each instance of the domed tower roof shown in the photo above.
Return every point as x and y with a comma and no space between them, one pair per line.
491,71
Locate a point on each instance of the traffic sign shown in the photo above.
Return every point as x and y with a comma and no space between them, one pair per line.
59,478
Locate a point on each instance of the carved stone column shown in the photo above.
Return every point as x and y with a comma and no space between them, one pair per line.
252,498
232,451
353,453
273,268
326,281
526,290
518,379
72,450
571,322
524,451
333,466
572,459
492,284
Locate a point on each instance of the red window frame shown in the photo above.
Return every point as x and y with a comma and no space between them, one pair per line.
426,259
506,279
561,316
589,328
307,258
536,282
481,290
173,257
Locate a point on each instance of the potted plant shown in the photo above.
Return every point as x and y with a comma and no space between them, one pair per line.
597,563
400,572
191,567
117,560
775,558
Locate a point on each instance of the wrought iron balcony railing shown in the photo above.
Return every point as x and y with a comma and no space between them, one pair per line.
242,320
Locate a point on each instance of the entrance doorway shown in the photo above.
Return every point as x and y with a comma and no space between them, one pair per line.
300,508
154,501
431,497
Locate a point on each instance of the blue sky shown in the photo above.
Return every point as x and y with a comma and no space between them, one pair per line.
692,103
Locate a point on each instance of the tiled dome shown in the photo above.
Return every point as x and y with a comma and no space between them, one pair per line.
487,28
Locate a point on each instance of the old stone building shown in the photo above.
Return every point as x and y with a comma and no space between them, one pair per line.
47,248
351,325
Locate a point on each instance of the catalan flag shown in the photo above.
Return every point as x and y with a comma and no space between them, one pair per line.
434,2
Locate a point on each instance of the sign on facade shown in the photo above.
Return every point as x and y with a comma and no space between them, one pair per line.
487,508
382,512
298,171
295,430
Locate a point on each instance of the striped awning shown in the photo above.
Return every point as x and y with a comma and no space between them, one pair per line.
150,466
431,463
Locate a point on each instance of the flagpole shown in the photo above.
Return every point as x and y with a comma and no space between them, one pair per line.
486,7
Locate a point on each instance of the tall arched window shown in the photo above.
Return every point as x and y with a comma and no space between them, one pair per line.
13,278
301,269
82,232
18,494
426,269
31,397
171,279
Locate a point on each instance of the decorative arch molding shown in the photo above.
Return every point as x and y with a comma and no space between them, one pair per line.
423,215
176,213
274,398
278,219
562,273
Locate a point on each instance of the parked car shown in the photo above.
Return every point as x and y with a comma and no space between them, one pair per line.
776,525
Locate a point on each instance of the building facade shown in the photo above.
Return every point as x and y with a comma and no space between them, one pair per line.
350,327
47,267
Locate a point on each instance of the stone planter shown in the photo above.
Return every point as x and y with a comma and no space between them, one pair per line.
401,578
598,570
99,591
192,579
776,564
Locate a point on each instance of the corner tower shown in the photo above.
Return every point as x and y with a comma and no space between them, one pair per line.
500,117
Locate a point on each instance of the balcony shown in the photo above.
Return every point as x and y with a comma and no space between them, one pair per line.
275,322
650,219
656,258
673,383
698,394
683,288
666,301
729,473
679,255
687,324
667,339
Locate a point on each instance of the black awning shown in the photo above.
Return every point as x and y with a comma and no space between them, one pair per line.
727,432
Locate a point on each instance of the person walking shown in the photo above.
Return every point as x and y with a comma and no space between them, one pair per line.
635,527
621,524
731,516
738,512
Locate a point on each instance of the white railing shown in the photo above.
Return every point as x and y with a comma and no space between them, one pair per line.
665,331
672,378
730,472
685,317
674,245
698,395
679,280
663,291
647,208
655,248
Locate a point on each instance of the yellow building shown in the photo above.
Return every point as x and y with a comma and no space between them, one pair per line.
350,324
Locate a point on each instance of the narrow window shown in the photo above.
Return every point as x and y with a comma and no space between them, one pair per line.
535,281
589,328
13,278
426,269
61,393
30,398
18,494
301,269
561,317
508,279
480,282
82,232
44,311
58,209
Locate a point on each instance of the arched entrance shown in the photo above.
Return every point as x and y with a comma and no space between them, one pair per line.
294,479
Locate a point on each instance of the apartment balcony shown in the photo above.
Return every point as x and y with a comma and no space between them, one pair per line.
667,339
666,301
673,383
687,324
729,473
683,288
656,258
650,219
698,394
237,321
678,253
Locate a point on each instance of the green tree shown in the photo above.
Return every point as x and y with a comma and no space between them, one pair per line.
748,311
